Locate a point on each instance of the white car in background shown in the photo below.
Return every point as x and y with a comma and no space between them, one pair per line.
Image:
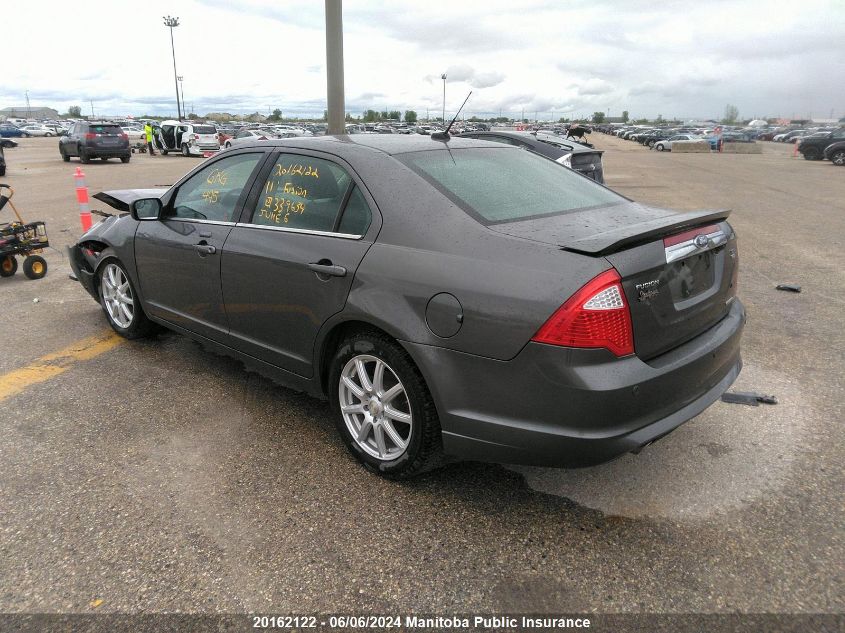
134,133
192,139
36,129
666,144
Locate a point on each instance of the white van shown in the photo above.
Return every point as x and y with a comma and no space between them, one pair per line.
192,139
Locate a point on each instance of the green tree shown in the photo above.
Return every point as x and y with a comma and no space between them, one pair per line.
624,116
74,112
384,114
276,116
731,114
659,118
325,115
370,116
410,116
563,119
395,115
598,117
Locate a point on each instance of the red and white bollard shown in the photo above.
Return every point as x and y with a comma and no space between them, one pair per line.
82,199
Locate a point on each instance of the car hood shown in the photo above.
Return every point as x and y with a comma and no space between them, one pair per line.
604,230
122,198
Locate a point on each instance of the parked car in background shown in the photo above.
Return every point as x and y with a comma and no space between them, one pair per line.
788,137
585,160
812,147
95,139
835,153
7,130
134,133
36,129
665,145
247,136
191,139
7,143
2,162
449,297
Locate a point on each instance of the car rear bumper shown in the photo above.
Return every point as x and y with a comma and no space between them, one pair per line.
108,152
553,406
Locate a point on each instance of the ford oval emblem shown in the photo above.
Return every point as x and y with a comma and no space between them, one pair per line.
701,241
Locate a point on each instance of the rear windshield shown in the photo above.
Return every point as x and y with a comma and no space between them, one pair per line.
501,185
204,129
106,129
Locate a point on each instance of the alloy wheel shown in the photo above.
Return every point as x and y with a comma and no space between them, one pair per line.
838,158
117,296
375,407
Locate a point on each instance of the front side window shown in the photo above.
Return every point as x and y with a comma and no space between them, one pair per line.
302,192
213,192
501,185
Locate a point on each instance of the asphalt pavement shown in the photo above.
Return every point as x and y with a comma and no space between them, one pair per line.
156,476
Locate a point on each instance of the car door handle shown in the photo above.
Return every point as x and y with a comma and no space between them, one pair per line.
328,269
205,249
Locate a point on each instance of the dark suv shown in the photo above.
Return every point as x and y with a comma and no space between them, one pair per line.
95,139
812,147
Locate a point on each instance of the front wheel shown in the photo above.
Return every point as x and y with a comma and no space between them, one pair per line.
120,302
811,153
185,150
659,148
164,152
838,157
65,157
384,411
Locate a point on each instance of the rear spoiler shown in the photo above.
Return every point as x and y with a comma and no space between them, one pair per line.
122,198
624,237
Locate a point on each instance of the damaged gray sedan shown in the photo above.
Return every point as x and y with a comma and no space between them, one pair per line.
452,298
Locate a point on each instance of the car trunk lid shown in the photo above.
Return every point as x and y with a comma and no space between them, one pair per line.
678,270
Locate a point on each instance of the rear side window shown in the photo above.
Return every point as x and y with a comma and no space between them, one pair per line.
302,192
356,216
501,185
106,129
213,192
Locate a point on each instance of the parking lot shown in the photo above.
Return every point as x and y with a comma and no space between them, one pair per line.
156,476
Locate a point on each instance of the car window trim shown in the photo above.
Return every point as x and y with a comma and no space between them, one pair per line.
284,229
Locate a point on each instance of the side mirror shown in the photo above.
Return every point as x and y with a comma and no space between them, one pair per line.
145,209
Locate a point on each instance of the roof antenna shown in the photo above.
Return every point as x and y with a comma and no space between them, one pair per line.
444,136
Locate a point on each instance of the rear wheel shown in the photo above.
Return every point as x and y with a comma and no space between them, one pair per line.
124,159
8,266
384,411
164,152
120,302
65,157
83,156
34,267
185,150
838,157
105,159
659,147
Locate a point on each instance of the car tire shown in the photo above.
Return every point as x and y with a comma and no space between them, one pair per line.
83,156
48,134
651,144
185,151
125,159
397,436
659,148
164,152
2,170
25,135
838,158
105,159
123,311
34,267
811,153
65,157
227,145
8,266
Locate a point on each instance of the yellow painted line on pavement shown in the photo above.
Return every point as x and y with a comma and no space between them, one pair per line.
52,365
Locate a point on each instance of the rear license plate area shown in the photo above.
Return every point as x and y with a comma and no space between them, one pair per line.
691,276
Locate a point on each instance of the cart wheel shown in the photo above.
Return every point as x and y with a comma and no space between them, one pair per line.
8,266
34,267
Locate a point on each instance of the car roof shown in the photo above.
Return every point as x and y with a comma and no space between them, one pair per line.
342,145
539,137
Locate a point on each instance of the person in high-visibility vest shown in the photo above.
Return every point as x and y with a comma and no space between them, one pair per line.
148,132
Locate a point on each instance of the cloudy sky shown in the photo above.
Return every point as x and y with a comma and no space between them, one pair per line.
556,58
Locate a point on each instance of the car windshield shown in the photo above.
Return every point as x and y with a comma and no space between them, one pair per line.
204,129
503,185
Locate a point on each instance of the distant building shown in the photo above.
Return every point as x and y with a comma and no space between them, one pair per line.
29,113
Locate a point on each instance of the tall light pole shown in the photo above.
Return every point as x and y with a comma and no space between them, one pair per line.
335,100
171,23
443,77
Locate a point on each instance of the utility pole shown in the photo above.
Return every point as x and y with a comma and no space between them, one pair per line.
28,108
92,108
443,77
182,86
334,67
171,23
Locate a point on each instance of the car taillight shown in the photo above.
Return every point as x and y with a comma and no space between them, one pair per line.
90,136
124,136
595,316
196,137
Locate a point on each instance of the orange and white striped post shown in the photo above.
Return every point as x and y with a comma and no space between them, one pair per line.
82,199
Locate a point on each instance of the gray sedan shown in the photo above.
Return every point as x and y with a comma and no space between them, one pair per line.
451,298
